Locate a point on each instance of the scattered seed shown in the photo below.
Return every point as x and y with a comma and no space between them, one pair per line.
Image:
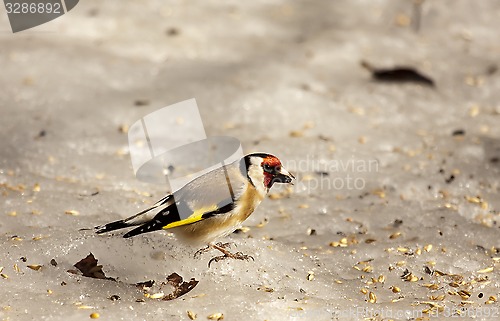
310,276
381,279
364,290
373,297
431,286
395,289
464,294
439,273
311,231
72,212
296,133
158,295
16,268
5,276
400,263
368,269
191,315
428,248
379,192
474,111
49,291
216,316
263,223
123,128
265,289
94,315
486,270
395,235
36,187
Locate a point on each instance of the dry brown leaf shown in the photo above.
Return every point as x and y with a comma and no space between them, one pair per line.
88,266
180,287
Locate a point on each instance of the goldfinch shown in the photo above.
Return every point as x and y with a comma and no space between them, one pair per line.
211,206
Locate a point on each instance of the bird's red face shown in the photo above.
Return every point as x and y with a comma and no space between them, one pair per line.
274,171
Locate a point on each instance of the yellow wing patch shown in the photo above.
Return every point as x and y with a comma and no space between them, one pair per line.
195,217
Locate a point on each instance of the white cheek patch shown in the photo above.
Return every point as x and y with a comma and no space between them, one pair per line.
257,176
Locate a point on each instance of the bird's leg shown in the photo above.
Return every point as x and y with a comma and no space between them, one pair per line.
224,245
227,254
209,246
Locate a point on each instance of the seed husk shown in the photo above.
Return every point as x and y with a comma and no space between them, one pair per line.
35,267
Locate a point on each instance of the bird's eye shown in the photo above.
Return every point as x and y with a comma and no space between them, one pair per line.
267,167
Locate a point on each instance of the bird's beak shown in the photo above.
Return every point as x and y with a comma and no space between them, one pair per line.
283,176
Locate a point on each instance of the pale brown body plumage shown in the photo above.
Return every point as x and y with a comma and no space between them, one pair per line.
212,228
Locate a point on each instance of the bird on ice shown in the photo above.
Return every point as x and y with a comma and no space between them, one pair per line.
201,212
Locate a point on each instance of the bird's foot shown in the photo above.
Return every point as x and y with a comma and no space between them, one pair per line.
217,246
227,254
201,251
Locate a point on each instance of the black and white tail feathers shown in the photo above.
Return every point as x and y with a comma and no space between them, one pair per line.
146,218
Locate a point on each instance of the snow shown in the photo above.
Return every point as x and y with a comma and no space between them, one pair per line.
284,78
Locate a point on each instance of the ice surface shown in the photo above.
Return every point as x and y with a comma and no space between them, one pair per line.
284,78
